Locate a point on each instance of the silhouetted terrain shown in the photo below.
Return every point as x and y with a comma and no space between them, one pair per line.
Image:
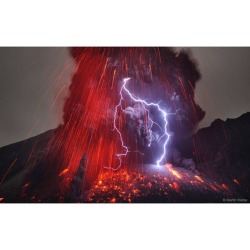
223,149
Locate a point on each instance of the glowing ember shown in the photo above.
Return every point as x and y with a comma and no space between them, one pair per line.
235,181
198,178
64,171
132,185
174,172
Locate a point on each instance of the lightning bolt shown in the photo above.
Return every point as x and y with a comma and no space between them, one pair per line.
144,103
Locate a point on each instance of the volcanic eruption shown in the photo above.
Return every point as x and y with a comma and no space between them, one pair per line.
96,120
126,135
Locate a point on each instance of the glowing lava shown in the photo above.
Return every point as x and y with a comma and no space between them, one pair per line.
150,184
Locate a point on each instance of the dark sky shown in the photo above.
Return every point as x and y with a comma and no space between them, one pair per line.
224,89
30,79
34,83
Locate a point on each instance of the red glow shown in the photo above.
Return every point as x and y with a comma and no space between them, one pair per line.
88,125
198,178
130,185
235,181
174,172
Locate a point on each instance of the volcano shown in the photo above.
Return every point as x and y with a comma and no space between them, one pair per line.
222,173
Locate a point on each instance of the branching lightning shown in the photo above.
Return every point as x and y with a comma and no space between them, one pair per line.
144,103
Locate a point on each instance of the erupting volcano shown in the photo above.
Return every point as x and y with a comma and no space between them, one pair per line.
117,126
127,113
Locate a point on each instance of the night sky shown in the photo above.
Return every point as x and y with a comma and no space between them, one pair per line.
34,83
